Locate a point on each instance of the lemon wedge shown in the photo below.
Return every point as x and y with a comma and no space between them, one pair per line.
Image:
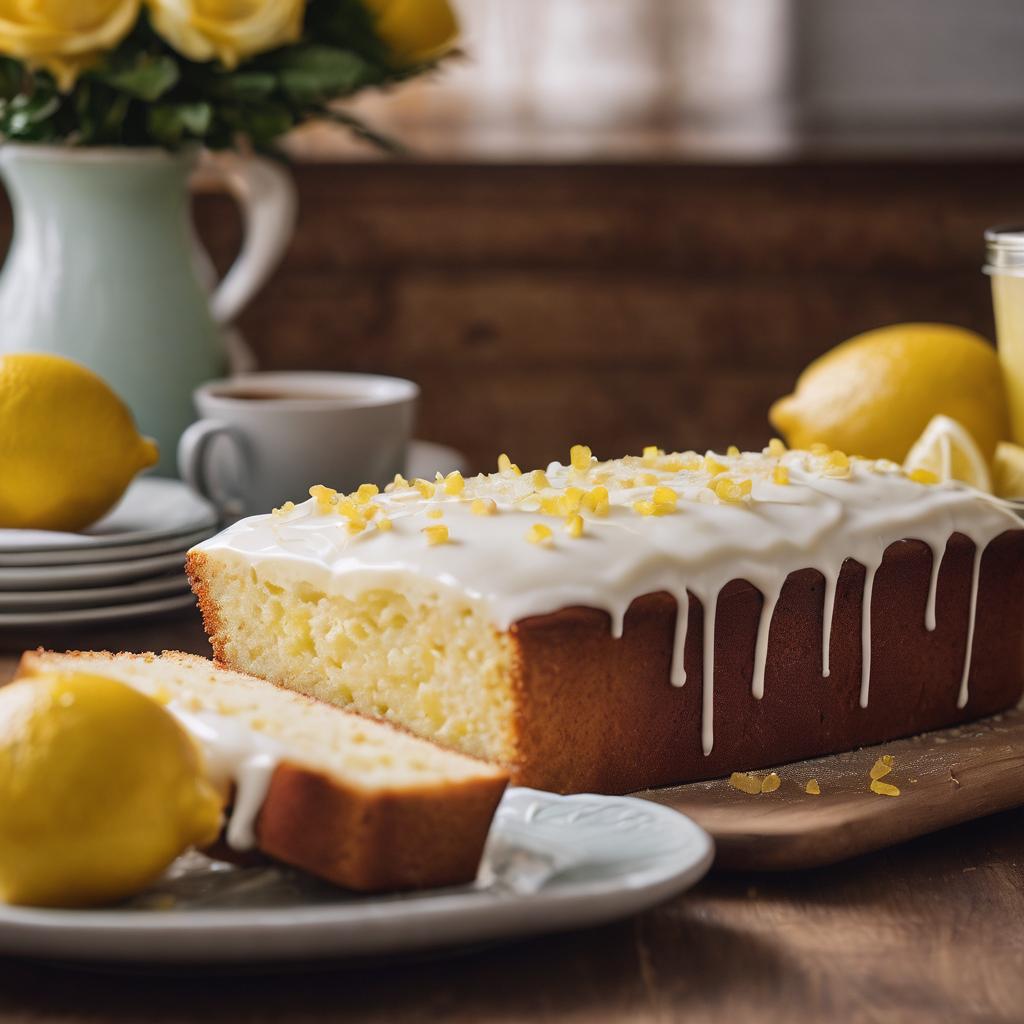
1008,470
947,450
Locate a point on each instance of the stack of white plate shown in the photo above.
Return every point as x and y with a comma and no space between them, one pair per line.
129,565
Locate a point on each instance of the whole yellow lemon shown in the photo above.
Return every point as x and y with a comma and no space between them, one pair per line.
68,444
874,394
100,789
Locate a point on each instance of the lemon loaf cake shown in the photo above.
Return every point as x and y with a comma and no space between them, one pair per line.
615,625
354,801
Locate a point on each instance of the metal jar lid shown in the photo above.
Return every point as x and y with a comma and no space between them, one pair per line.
1004,250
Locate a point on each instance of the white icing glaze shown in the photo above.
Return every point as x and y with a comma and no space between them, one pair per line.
933,589
865,633
768,604
830,510
234,756
961,700
677,673
828,610
707,704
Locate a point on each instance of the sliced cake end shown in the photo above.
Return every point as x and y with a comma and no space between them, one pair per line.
352,800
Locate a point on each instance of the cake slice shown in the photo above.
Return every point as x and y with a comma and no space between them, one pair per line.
357,802
611,626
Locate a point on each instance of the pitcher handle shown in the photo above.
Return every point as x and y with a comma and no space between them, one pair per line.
266,193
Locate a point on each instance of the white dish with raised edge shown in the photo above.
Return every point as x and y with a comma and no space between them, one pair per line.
553,863
70,577
151,509
89,616
103,554
93,597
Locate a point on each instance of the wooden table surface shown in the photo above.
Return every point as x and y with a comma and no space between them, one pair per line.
930,931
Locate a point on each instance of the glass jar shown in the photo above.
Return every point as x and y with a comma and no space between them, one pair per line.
1004,263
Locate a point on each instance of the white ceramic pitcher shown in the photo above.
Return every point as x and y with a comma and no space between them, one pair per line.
105,268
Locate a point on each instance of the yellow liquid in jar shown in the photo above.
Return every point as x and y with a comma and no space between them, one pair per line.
1008,297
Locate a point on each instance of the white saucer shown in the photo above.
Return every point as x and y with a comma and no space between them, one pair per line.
88,616
53,577
553,863
151,509
92,597
95,554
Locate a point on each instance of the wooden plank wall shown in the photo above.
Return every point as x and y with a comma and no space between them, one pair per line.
621,306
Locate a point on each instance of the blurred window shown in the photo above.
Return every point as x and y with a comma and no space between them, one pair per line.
715,79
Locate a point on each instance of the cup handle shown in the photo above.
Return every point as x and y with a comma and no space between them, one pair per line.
193,462
266,193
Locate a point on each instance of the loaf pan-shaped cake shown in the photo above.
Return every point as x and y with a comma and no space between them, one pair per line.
611,626
356,802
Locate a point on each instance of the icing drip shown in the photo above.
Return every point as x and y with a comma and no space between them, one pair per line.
234,757
961,700
676,523
827,612
933,588
764,628
865,634
618,621
677,673
707,710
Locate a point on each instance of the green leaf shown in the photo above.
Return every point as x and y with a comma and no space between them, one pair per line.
12,78
164,125
147,79
313,74
87,120
245,86
113,117
25,112
263,124
170,123
100,112
348,24
195,117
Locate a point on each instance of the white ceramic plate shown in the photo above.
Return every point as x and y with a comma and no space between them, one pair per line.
74,577
151,509
89,616
553,863
92,597
103,552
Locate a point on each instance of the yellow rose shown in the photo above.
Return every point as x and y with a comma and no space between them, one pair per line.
64,36
229,30
415,31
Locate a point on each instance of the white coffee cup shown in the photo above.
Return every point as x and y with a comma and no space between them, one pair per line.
265,438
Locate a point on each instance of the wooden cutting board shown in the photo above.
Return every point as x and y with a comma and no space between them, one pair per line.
944,778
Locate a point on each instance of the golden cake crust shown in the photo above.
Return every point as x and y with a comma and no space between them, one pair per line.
375,844
197,566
